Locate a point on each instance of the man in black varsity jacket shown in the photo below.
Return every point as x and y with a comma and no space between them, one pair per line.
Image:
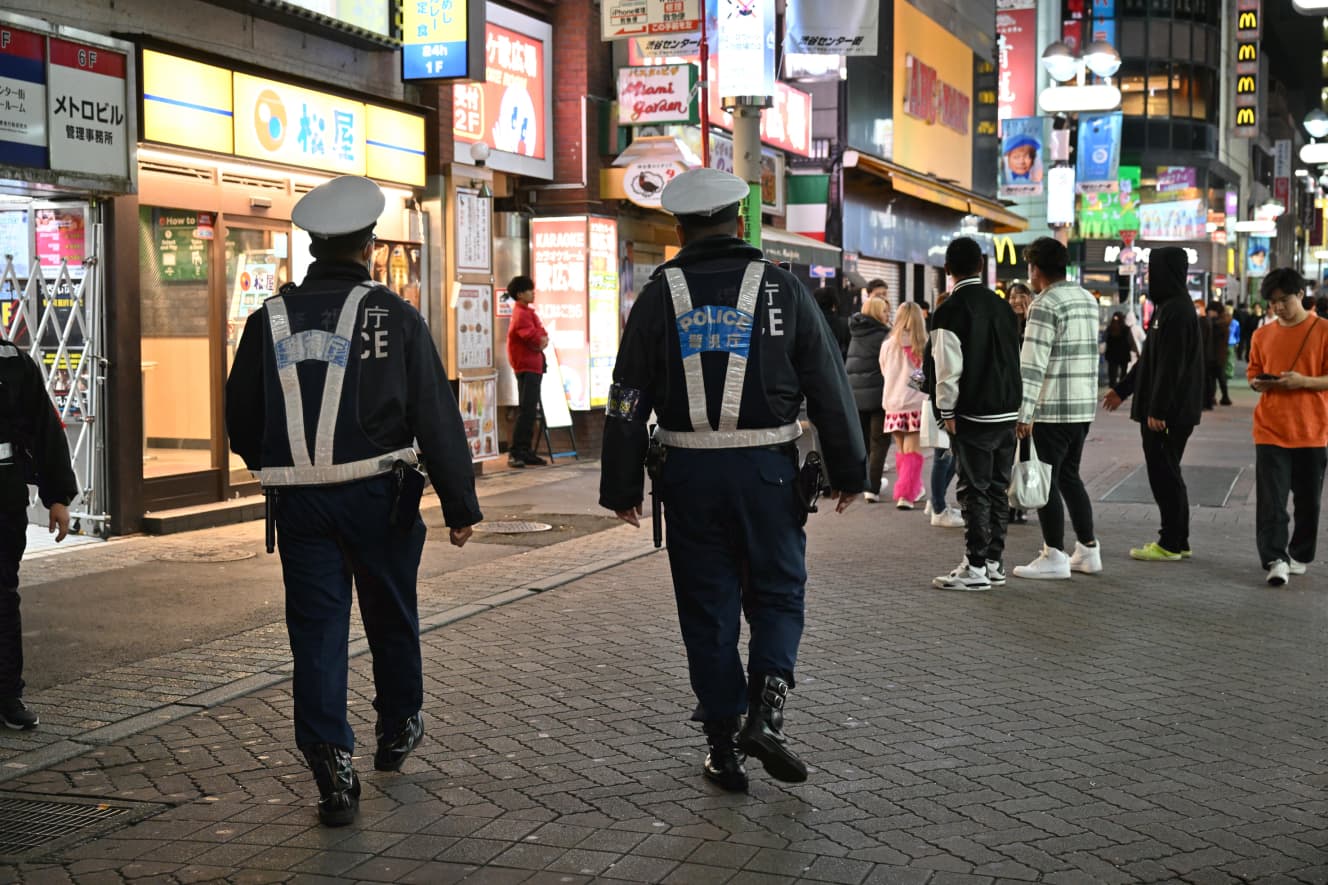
972,366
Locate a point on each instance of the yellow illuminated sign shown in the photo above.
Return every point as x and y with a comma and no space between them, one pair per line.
394,146
194,105
1245,85
187,103
1244,116
1247,21
1247,52
945,151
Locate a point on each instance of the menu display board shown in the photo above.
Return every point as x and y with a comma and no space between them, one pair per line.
478,399
474,329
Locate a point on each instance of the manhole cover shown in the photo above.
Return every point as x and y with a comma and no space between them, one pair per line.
37,826
206,554
513,527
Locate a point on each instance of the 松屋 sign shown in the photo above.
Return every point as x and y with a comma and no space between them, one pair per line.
933,101
657,94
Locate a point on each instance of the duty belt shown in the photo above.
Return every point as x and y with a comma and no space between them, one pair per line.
335,474
730,439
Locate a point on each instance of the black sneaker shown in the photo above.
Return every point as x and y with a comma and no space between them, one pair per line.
15,714
534,460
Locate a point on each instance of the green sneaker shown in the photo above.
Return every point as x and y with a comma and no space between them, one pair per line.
1186,554
1152,552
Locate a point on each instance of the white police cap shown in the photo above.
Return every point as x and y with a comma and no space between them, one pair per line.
703,192
345,205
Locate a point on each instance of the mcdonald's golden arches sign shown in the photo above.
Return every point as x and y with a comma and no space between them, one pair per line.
1248,104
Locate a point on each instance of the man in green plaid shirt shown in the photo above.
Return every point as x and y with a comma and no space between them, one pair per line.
1059,365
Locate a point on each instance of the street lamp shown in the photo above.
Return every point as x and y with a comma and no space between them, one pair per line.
1062,65
1067,101
1316,123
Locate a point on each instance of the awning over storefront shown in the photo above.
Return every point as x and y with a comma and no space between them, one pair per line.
782,245
914,184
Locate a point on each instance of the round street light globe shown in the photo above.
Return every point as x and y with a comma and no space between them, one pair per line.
1102,58
1059,62
1316,123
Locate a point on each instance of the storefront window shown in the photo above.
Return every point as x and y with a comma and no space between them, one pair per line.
257,265
175,249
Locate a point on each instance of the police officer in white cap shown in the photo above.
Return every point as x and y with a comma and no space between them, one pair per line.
723,346
333,383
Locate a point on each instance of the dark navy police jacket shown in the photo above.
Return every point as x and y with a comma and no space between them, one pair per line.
792,355
395,390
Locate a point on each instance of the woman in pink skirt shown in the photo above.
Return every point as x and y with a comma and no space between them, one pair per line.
901,356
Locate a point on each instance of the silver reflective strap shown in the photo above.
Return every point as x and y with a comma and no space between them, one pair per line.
731,403
336,375
335,474
279,322
691,365
8,350
6,450
730,439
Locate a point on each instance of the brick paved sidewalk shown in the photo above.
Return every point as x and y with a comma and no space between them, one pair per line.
1157,723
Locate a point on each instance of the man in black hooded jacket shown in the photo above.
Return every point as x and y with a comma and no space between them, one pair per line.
1167,381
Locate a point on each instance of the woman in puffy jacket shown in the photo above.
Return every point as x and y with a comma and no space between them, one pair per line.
867,331
901,356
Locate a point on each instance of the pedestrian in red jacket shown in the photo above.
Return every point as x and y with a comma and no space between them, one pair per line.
526,340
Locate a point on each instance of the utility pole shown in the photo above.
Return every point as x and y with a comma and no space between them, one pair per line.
746,112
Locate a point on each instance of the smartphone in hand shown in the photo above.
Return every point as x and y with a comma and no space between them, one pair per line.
1264,376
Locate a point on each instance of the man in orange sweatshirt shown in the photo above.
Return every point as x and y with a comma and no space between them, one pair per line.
1289,367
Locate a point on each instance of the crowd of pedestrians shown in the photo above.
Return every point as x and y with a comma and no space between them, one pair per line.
989,381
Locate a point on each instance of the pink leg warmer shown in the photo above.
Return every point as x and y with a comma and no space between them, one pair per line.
909,467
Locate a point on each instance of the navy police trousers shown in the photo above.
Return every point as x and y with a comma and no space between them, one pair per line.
736,545
13,540
328,535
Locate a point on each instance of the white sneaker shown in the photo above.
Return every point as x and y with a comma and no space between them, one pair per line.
927,511
1296,568
903,504
1277,574
1086,559
964,577
1051,565
871,497
995,573
949,518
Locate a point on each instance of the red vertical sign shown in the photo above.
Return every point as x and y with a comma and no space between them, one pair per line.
1016,47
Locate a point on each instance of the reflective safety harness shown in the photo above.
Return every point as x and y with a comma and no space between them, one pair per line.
716,330
334,349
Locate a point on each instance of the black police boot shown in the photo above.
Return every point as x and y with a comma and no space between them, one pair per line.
338,785
763,734
394,747
723,765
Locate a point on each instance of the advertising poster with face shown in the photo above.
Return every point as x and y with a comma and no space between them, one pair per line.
1022,142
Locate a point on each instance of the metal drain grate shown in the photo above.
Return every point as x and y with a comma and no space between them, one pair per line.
27,825
513,527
